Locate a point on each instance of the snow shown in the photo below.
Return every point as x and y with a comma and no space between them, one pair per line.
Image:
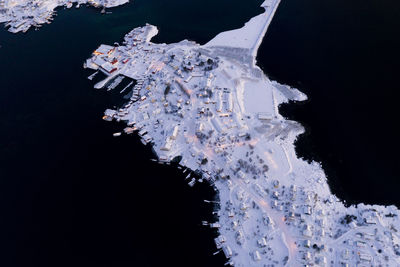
21,15
258,98
251,34
265,191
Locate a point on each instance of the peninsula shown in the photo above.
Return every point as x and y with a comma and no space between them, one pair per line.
212,108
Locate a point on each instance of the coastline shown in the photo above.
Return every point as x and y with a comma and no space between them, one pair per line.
301,210
112,39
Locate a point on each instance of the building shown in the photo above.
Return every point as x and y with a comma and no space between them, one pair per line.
108,67
217,125
219,102
104,50
199,128
262,242
256,256
175,132
307,210
183,88
307,232
229,102
167,145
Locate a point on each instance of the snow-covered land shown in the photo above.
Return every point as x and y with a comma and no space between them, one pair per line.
213,107
20,15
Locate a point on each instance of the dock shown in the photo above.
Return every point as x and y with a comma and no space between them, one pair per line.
126,87
115,83
93,75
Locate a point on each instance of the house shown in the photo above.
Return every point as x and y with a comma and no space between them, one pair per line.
175,131
307,256
256,256
199,127
307,232
321,261
267,220
262,242
167,145
307,210
217,125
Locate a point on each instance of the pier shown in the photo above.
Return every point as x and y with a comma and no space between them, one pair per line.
115,83
126,87
93,75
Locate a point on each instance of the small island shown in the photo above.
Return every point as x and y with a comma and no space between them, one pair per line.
21,15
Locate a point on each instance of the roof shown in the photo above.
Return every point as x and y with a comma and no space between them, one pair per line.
99,61
108,67
104,49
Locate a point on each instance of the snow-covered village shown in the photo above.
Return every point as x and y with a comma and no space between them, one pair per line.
212,108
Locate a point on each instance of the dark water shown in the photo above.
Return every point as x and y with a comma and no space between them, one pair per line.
70,193
345,56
